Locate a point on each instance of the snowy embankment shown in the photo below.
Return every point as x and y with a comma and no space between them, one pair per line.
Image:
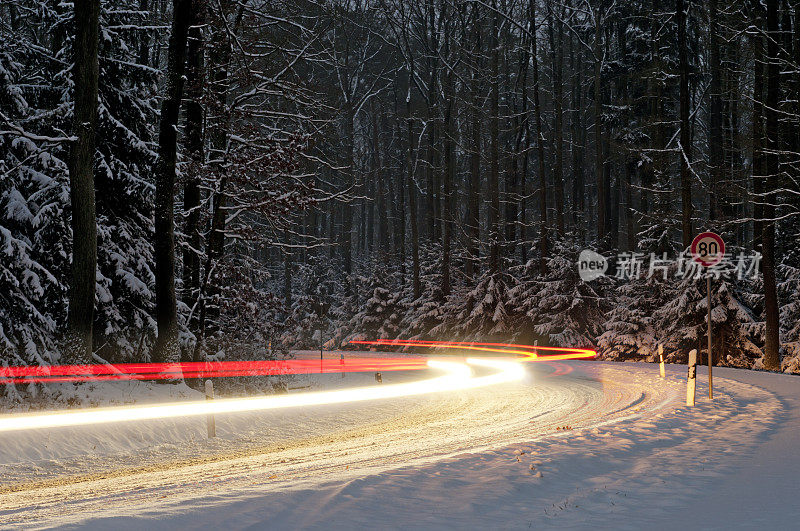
578,444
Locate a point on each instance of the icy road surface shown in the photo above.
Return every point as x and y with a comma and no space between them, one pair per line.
577,444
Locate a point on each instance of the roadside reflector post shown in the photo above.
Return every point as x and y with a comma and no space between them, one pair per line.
710,351
211,423
661,357
691,380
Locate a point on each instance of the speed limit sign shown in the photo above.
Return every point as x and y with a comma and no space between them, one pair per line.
708,249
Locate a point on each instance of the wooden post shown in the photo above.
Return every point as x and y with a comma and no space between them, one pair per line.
661,357
691,380
212,426
710,352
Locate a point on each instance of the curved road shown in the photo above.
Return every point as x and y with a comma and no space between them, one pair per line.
335,445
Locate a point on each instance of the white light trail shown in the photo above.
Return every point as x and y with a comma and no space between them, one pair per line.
458,376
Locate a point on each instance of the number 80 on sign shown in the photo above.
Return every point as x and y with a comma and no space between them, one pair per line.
708,249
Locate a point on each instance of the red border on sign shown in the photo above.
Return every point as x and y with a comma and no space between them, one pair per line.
696,241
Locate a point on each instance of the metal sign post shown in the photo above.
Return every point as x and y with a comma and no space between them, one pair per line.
710,351
708,249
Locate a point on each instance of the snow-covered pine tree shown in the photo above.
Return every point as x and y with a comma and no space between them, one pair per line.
427,313
560,308
789,289
34,191
36,106
312,285
682,318
127,114
381,314
32,270
483,312
628,331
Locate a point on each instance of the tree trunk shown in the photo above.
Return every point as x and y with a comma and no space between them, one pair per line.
523,152
432,213
331,229
685,151
598,132
494,156
166,347
715,152
557,51
759,169
473,190
449,170
772,135
652,171
412,195
512,181
611,187
347,207
287,273
630,227
380,195
81,181
627,166
195,81
400,227
473,197
218,120
368,213
144,39
216,243
543,247
577,137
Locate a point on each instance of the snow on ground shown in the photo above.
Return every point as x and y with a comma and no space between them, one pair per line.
577,445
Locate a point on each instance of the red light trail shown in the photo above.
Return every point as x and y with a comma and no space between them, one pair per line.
212,369
457,376
531,352
216,369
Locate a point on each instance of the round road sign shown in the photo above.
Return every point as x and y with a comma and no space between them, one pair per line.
708,249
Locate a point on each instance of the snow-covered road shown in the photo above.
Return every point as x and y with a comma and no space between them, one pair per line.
576,444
